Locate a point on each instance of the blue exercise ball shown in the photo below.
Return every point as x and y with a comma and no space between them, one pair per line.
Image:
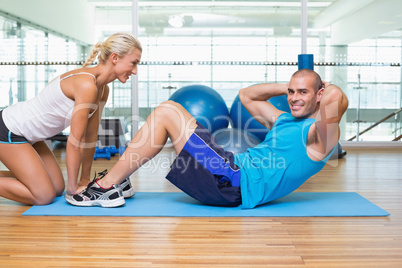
235,140
338,153
281,103
205,104
242,119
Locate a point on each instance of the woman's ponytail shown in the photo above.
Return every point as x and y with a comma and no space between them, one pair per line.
94,53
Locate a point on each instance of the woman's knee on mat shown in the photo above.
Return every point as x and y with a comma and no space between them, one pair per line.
44,199
43,195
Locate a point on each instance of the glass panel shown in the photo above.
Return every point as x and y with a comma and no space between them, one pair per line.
226,45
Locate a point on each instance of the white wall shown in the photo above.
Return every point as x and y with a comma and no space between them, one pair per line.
74,18
352,21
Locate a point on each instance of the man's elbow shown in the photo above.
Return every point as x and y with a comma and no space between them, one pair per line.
337,96
343,102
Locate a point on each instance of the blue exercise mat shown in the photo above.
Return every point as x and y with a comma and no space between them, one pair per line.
297,204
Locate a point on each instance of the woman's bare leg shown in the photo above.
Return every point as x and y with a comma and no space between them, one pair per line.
51,165
169,119
31,183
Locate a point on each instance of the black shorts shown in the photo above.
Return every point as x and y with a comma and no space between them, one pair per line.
6,136
206,172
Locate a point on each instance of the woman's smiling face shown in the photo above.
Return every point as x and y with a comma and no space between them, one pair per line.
127,65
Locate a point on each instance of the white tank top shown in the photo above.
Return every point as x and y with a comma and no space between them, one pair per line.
44,116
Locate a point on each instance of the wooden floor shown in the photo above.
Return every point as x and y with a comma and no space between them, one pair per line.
376,174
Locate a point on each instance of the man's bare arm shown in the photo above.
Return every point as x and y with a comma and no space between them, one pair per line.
333,105
254,99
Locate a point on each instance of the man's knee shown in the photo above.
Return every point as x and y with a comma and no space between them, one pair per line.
171,105
169,110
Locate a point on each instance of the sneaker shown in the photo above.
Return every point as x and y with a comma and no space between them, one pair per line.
126,186
95,195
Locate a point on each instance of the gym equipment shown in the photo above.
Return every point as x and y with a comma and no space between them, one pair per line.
306,61
148,204
235,140
107,152
209,63
112,131
122,149
281,103
338,153
103,154
242,119
113,150
205,104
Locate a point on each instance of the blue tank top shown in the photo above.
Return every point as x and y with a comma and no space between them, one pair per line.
280,164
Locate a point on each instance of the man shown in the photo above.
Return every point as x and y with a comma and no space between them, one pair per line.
297,146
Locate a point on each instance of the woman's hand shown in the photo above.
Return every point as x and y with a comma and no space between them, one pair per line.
82,185
71,190
78,188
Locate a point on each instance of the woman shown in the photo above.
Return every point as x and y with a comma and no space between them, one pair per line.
75,98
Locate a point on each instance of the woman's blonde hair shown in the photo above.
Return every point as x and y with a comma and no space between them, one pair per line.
120,43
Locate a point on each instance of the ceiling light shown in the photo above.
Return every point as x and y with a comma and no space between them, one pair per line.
230,4
176,21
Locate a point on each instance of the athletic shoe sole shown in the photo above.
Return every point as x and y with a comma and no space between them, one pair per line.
118,202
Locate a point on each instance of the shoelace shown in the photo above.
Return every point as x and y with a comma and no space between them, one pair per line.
101,174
